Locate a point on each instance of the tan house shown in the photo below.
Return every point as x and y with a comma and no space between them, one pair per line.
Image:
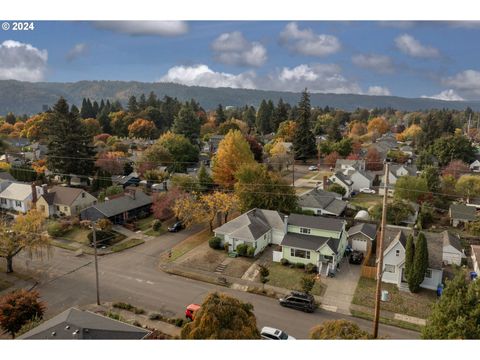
64,201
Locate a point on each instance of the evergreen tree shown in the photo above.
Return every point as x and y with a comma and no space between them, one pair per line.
102,105
96,109
142,102
132,105
104,121
420,264
249,116
70,150
169,108
10,118
84,109
220,116
87,109
409,254
187,123
304,140
204,179
280,114
152,100
264,116
74,110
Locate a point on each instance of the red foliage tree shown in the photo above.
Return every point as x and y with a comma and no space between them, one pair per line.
331,159
101,137
112,162
163,203
456,168
353,156
19,307
373,160
255,147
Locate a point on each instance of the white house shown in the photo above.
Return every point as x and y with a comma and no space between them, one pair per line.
476,258
396,171
18,197
360,179
360,236
475,166
345,164
342,180
452,250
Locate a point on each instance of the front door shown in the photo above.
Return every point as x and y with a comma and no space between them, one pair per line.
404,279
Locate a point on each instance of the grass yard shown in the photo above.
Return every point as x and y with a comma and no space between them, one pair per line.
288,278
387,321
77,234
186,245
365,200
126,245
4,284
152,232
302,189
402,302
146,223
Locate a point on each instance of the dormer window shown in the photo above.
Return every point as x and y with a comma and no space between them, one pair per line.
397,253
305,230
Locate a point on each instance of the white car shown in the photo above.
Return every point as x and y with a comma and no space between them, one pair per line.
312,168
269,333
367,191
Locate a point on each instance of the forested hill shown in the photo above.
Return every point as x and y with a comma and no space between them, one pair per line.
28,98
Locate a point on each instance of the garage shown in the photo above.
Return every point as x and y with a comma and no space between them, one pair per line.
360,236
359,244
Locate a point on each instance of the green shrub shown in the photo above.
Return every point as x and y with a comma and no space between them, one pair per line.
310,268
124,306
300,265
114,316
284,262
215,242
250,251
56,229
242,249
226,246
156,316
156,225
179,322
138,311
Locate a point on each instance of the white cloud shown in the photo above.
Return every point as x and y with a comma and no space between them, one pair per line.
447,95
202,75
467,81
378,63
378,91
411,46
77,51
20,61
306,42
138,28
233,49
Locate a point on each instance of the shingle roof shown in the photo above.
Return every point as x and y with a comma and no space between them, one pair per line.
16,191
321,199
450,239
74,324
302,241
63,195
369,230
462,212
316,222
340,176
122,204
253,224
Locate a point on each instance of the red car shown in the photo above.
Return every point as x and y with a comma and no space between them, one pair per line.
191,310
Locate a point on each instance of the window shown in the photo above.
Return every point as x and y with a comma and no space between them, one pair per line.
65,208
397,253
305,230
428,274
18,203
3,201
300,253
83,195
57,207
389,268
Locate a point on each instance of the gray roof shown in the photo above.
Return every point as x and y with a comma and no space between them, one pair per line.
123,179
462,212
74,324
353,163
253,224
316,222
369,230
63,195
308,242
121,204
6,176
343,178
321,199
450,239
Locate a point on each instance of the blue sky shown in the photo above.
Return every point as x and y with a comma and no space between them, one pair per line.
410,59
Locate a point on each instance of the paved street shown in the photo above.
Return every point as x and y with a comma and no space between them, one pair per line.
133,276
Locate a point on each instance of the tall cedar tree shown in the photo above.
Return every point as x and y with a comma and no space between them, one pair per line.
456,315
304,140
420,264
204,179
70,149
220,116
249,116
409,253
263,120
280,114
187,123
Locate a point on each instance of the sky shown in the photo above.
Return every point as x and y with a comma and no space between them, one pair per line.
409,59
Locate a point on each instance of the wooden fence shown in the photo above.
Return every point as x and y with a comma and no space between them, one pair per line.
367,271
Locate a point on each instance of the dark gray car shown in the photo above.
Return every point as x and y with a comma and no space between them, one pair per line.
299,301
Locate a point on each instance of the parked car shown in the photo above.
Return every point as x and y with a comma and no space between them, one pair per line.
176,227
191,311
300,301
269,333
367,191
312,168
356,257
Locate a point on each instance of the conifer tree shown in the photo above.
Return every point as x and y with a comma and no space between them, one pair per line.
409,254
304,140
187,123
264,116
420,264
220,116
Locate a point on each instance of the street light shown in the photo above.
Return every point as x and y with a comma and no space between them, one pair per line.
94,238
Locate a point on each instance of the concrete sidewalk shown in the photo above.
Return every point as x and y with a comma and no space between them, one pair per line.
390,315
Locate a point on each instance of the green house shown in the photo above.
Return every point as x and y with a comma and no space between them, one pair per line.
314,239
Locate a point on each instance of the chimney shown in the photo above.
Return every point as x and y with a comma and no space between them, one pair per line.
34,195
130,192
324,182
285,222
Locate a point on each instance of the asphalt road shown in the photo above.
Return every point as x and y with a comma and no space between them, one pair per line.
133,276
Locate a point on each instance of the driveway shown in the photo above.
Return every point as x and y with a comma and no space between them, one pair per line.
341,288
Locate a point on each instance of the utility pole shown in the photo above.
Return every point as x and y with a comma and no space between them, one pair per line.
94,233
380,255
293,171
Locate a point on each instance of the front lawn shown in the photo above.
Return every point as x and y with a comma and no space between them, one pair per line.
186,245
290,278
126,245
152,232
402,302
78,234
146,223
365,201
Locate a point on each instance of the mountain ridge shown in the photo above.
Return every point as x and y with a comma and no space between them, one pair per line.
29,98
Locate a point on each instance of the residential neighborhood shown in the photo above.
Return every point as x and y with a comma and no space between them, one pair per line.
165,210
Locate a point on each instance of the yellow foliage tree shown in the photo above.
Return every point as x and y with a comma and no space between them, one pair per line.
233,152
142,128
379,125
410,133
286,130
